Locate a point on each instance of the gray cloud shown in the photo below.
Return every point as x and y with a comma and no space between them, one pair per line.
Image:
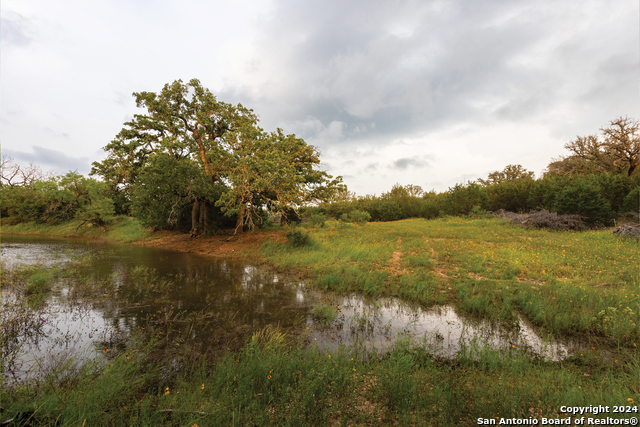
405,163
55,159
412,66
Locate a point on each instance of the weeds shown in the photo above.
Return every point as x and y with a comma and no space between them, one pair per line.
298,239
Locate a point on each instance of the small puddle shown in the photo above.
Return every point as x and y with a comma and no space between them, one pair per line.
379,323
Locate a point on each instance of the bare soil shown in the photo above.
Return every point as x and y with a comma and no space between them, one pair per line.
217,246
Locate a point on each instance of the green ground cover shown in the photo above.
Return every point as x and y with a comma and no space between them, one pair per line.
121,229
570,283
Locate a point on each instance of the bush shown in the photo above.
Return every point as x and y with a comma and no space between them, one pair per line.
584,198
478,211
631,202
510,195
298,238
317,219
359,217
552,221
461,199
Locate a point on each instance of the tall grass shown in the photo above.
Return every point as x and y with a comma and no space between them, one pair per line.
273,381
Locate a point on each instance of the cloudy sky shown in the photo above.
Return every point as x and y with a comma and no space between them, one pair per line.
430,93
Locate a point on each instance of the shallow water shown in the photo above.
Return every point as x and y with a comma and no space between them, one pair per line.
140,283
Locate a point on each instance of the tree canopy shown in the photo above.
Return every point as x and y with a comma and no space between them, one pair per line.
617,150
254,170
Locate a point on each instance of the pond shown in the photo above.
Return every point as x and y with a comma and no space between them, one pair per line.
118,288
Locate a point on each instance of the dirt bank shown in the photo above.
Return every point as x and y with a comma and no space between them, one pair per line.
218,246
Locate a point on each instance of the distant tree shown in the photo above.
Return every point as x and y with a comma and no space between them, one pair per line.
622,142
509,173
616,152
414,190
13,174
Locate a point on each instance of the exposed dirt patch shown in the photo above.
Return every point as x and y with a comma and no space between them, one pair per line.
396,258
532,281
439,269
218,246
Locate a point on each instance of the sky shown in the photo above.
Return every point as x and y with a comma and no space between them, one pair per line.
430,93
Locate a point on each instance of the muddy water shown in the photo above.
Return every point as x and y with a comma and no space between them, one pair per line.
135,284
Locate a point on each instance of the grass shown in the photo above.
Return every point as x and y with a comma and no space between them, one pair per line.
122,229
272,381
569,283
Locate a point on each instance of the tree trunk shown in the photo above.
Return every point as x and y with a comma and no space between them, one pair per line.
240,222
205,214
195,213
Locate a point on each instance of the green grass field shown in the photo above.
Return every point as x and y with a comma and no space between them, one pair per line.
571,284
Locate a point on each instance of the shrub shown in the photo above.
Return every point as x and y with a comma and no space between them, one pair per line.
552,221
462,198
631,201
584,198
478,211
298,238
430,209
317,219
510,195
359,217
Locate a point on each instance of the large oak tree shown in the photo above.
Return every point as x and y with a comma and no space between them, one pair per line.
187,122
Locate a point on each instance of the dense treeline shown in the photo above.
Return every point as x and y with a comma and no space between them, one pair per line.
598,181
193,163
598,198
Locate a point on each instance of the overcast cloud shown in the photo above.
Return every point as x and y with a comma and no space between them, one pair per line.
413,92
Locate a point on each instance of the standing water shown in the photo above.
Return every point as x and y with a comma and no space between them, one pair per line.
116,289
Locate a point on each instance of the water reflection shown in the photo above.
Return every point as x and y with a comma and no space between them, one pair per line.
378,323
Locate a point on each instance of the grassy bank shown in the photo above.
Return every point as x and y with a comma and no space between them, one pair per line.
269,383
122,229
570,283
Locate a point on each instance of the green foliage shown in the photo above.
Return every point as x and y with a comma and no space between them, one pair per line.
317,219
359,217
461,199
59,199
213,144
631,201
325,313
510,195
166,190
298,238
583,198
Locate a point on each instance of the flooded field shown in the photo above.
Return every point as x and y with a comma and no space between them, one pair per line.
116,289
